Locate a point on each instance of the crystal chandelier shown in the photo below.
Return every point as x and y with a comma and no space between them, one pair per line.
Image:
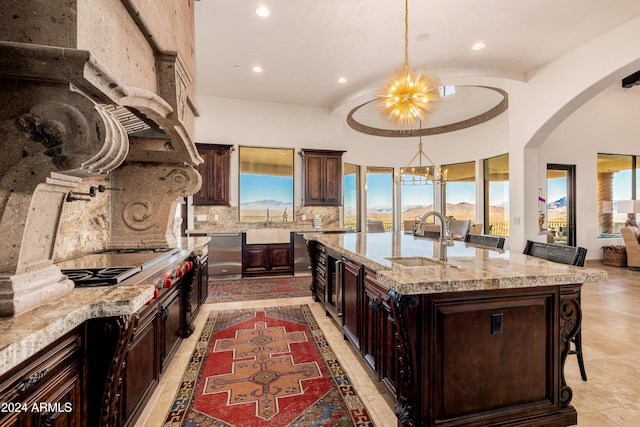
408,95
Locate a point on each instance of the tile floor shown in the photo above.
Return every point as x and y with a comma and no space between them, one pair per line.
611,347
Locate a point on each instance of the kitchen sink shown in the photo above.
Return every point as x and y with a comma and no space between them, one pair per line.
419,261
265,236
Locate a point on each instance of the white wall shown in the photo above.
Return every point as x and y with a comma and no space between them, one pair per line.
608,123
250,123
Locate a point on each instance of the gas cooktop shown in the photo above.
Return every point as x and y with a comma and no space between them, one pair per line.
100,276
110,267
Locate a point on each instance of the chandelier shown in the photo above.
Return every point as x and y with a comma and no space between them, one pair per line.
408,95
422,174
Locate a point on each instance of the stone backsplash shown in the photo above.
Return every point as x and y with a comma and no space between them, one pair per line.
84,225
228,217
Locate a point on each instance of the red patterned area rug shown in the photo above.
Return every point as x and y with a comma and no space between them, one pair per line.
265,367
221,290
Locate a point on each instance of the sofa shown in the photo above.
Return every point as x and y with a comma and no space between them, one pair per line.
630,235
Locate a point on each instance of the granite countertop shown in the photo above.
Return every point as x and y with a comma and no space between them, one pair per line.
293,226
24,335
468,268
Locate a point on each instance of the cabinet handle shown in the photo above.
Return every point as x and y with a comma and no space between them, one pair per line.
164,314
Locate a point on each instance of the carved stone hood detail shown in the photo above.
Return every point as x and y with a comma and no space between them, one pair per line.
51,146
56,76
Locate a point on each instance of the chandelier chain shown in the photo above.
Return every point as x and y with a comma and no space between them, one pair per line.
406,35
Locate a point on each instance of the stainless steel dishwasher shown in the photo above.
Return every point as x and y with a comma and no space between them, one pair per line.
301,260
225,255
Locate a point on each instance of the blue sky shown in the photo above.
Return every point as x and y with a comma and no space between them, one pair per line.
261,187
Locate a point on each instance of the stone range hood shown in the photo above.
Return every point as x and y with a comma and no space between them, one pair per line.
66,116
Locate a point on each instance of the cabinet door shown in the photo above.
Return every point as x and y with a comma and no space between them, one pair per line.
170,315
313,179
351,294
141,364
389,359
281,259
60,403
495,353
255,259
333,180
215,175
322,178
373,323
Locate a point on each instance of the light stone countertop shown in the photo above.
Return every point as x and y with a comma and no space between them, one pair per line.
468,268
294,227
24,335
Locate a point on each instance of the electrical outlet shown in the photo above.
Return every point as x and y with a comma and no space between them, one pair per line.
216,217
201,217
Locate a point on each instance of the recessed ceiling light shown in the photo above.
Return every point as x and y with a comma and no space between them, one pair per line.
342,80
478,46
256,69
263,12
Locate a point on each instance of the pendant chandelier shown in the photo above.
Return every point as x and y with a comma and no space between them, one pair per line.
408,96
423,173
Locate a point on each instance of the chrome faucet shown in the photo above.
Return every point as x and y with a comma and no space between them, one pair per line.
444,232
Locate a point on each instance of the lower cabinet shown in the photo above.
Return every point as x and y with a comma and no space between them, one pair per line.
379,342
270,259
352,300
142,364
49,389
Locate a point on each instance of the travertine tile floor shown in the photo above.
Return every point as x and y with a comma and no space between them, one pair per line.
611,347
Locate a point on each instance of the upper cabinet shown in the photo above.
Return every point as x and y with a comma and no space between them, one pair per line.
215,172
322,177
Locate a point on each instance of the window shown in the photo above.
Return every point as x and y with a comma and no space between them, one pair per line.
351,211
460,191
415,201
266,183
617,180
379,190
496,195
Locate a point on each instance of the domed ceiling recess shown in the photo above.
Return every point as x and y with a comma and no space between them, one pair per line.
460,107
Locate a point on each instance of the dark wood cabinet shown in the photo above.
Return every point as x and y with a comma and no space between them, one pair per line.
373,314
322,177
352,300
49,389
170,325
142,364
215,172
267,259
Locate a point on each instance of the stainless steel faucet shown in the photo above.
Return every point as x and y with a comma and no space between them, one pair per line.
444,232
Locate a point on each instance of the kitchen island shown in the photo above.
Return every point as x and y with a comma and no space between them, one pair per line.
479,339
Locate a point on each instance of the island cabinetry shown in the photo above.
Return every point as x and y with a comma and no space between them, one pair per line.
480,358
215,172
266,259
373,323
352,296
322,177
379,342
49,389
